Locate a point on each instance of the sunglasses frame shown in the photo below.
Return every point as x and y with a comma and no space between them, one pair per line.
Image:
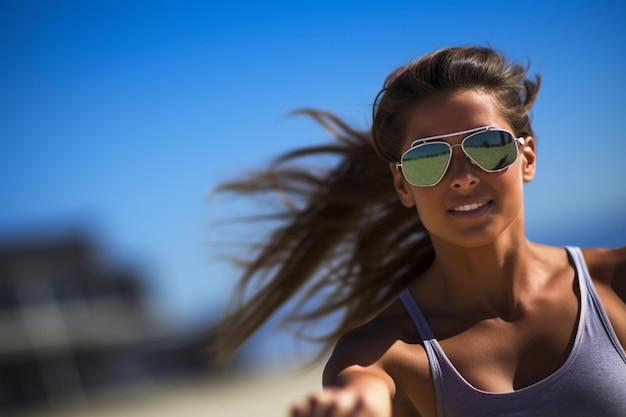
471,133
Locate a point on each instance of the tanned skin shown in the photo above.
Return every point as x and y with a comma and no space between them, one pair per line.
504,309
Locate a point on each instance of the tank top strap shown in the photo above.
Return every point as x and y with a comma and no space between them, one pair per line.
433,350
590,296
582,274
416,315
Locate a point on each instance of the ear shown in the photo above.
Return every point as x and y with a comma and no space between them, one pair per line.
402,187
529,161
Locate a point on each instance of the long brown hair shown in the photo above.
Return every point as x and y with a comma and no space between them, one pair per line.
343,239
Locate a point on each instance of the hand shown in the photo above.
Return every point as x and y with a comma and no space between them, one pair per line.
340,402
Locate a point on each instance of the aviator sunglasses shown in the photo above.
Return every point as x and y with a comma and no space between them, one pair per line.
489,147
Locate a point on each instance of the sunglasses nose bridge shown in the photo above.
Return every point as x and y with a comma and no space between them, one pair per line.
464,153
460,165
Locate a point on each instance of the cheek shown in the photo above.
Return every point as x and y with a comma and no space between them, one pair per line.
426,203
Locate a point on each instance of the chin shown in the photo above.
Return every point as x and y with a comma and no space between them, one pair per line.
467,240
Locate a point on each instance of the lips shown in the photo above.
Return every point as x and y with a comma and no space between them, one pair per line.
470,209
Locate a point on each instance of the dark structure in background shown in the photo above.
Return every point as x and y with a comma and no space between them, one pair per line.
72,322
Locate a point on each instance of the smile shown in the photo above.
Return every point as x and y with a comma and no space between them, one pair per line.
469,207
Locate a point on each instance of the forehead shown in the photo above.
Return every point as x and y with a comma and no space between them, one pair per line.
452,112
448,135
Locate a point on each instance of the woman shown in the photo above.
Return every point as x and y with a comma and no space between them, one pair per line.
450,311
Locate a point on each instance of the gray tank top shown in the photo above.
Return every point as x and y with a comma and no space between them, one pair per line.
591,382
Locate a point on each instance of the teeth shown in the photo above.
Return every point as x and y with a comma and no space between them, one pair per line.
470,207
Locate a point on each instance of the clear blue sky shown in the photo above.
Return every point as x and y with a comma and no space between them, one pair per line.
120,116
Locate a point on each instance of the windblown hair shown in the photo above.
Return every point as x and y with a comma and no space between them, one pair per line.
350,244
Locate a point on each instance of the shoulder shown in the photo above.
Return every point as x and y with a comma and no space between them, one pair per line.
388,347
373,343
607,268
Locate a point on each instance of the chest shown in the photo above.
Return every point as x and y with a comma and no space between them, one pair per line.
499,356
495,355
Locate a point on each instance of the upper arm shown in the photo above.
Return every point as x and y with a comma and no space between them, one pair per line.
357,356
608,271
608,267
353,371
618,279
382,359
370,382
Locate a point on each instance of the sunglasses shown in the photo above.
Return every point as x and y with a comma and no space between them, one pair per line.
489,147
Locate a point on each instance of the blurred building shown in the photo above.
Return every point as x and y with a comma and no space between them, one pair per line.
73,321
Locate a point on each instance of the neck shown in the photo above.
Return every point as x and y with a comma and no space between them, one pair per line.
488,279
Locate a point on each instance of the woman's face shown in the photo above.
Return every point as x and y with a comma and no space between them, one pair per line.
469,207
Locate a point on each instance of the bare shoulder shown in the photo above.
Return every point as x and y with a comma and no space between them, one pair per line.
369,345
607,267
388,347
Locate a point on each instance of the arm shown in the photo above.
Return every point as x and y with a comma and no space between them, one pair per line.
608,271
356,391
356,384
618,279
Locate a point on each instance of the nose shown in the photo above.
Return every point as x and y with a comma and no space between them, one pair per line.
462,170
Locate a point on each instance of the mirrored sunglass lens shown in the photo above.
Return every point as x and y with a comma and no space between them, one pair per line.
493,150
426,164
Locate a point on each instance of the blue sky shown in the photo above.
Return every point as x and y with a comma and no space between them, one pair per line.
120,116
